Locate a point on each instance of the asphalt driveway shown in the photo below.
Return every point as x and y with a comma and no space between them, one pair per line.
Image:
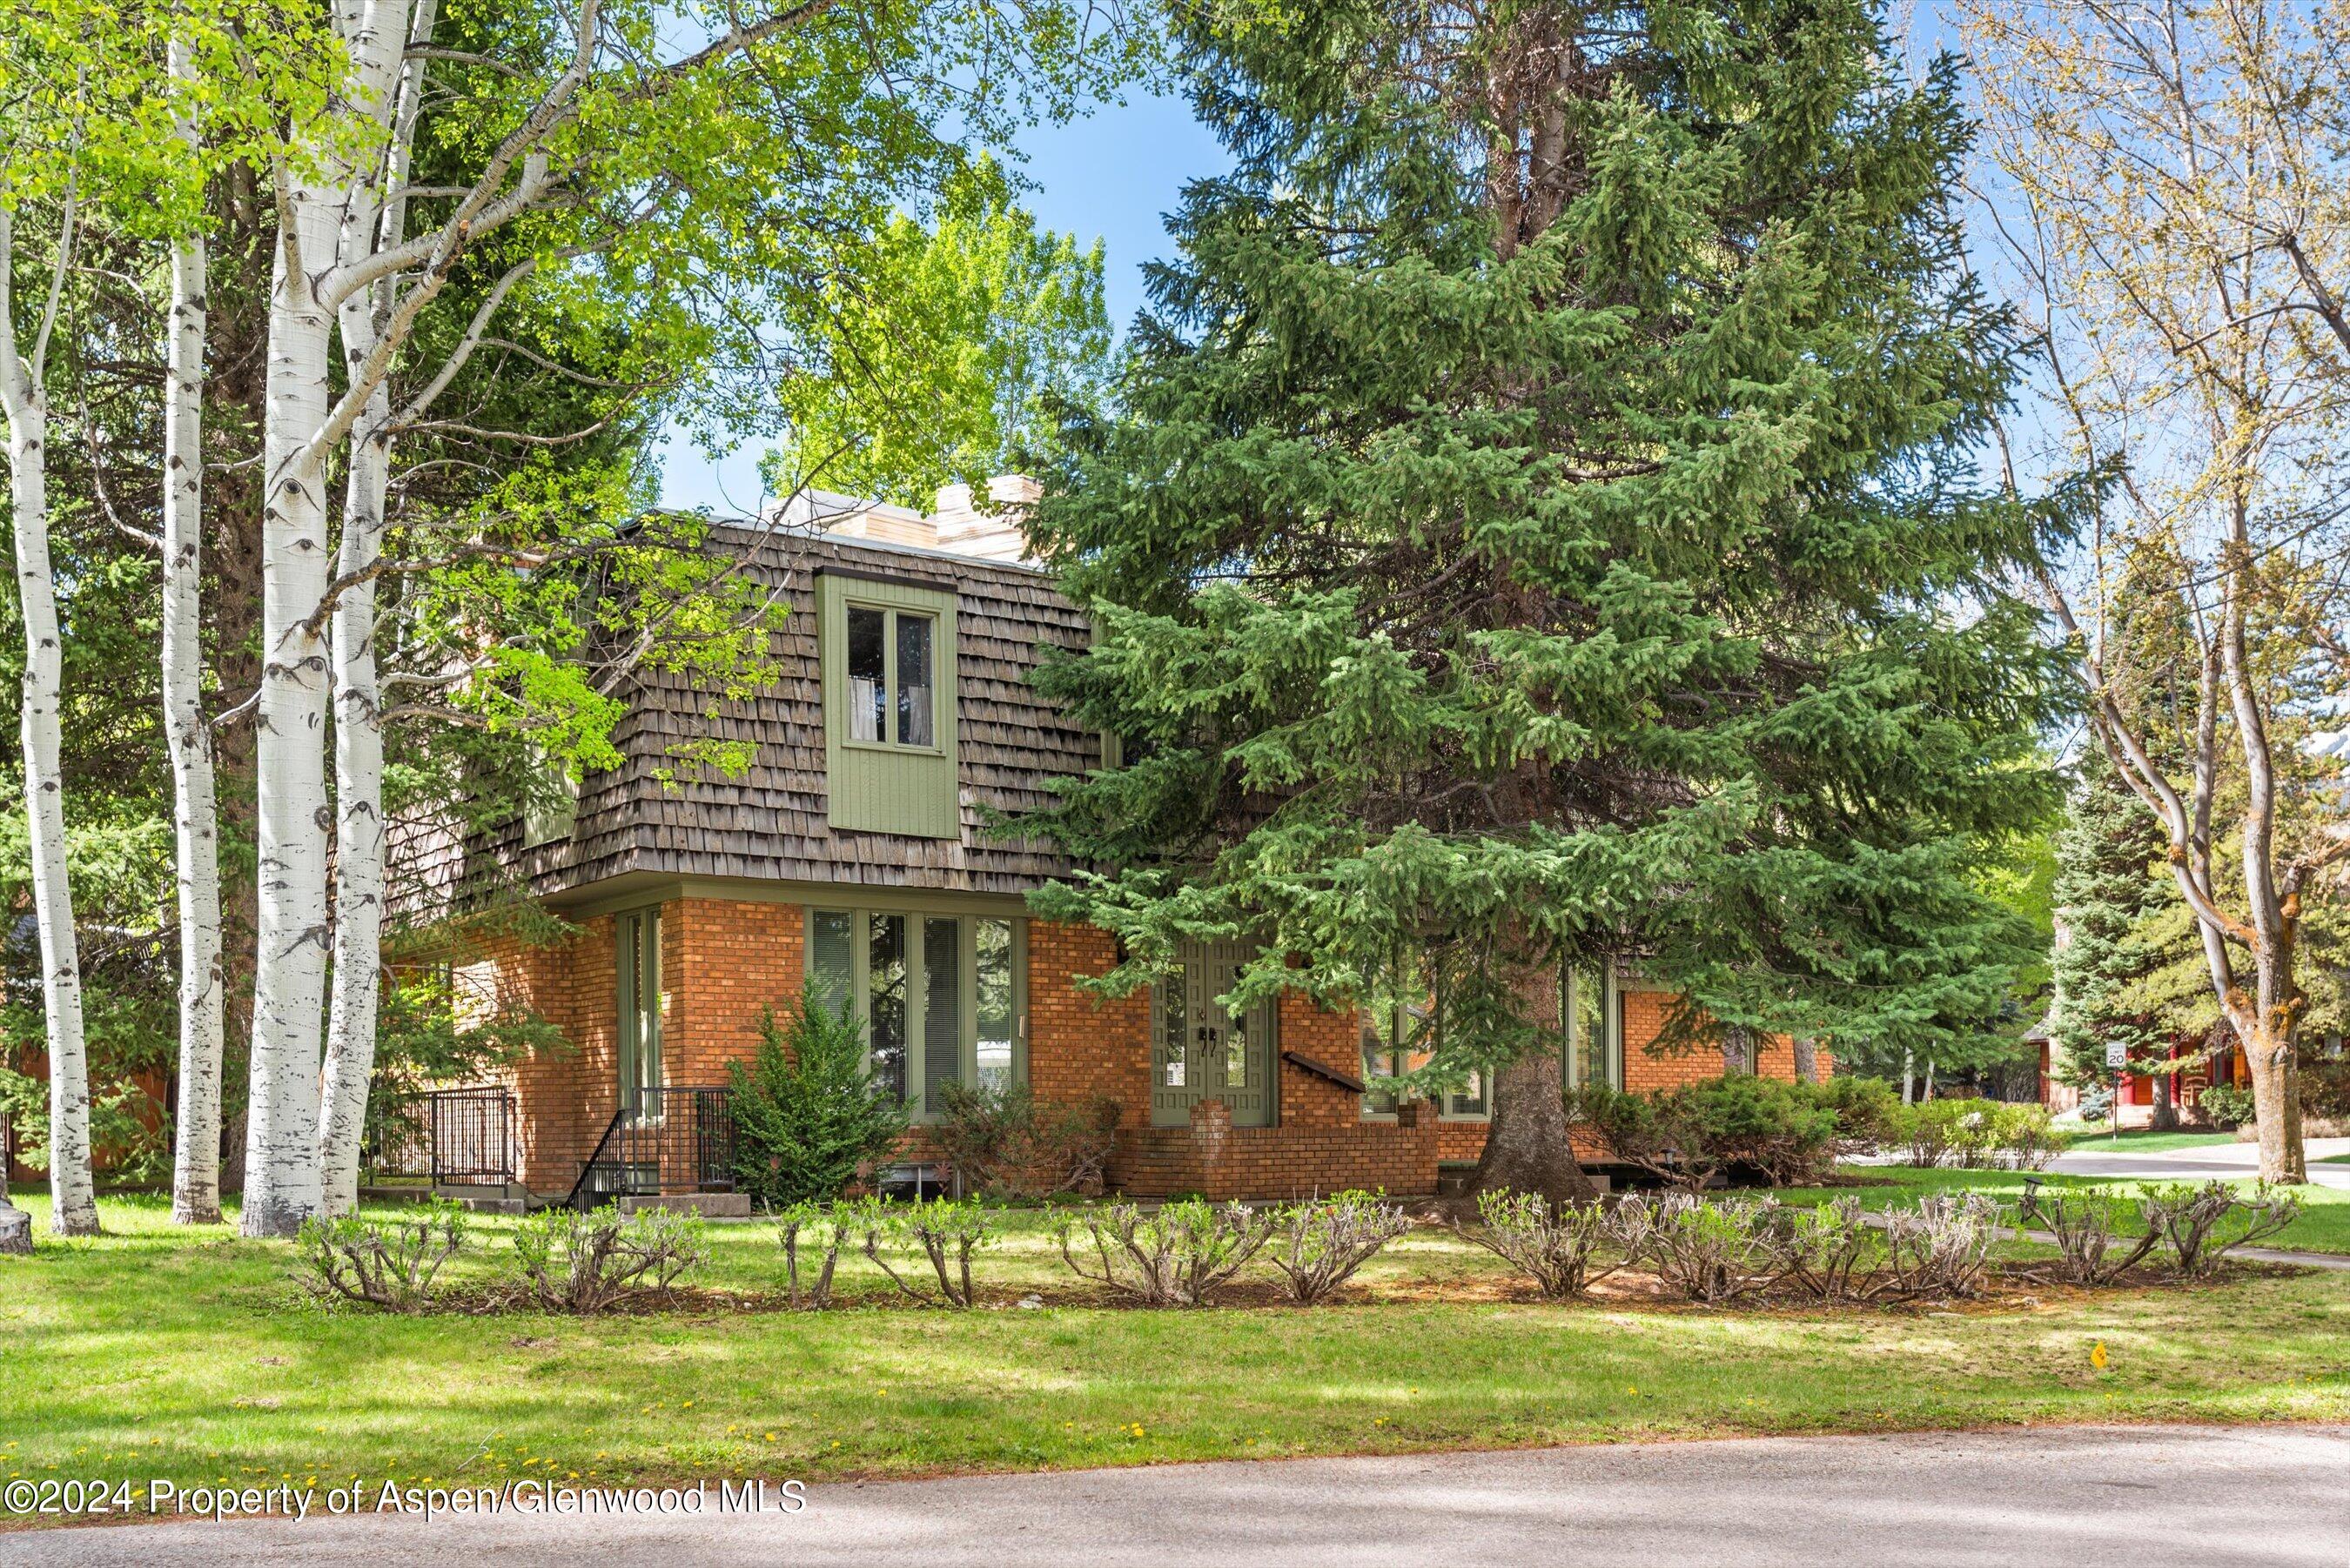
2064,1497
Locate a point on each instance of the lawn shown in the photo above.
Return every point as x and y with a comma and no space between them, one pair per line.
151,1351
2324,1225
2138,1140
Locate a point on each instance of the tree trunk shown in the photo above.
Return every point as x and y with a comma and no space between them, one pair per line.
1527,1144
1807,1059
1908,1085
2271,1055
72,1191
282,1184
195,1170
359,710
2165,1104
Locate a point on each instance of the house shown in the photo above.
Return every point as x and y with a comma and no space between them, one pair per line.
855,848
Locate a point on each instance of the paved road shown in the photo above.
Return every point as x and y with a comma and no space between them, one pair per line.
2092,1156
2276,1497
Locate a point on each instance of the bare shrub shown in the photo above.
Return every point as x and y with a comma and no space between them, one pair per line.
1004,1143
1323,1243
948,1230
2203,1224
2092,1231
1707,1251
1832,1249
1179,1255
384,1263
1561,1248
1940,1247
820,1233
592,1262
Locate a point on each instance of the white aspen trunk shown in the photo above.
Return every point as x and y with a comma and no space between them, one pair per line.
1908,1094
72,1191
281,1164
284,1184
359,712
359,799
196,1171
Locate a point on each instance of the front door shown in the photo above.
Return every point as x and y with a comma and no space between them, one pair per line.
1201,1051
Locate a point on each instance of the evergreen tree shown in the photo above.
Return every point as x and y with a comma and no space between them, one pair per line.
1539,532
2108,857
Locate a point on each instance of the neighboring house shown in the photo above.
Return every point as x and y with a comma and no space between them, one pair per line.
855,848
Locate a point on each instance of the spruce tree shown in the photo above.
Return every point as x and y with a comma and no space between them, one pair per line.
1539,530
2107,858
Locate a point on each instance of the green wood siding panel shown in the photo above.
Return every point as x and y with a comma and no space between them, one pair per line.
880,786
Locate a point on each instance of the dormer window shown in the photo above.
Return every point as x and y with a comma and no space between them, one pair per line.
887,649
891,656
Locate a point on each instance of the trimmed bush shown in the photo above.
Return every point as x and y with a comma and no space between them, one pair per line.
589,1263
819,1233
1561,1249
1942,1247
2092,1227
809,1112
1323,1242
1982,1135
1007,1145
2202,1224
947,1231
1179,1256
1705,1250
383,1263
1832,1249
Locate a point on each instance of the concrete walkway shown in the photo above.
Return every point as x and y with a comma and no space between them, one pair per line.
2094,1156
2278,1496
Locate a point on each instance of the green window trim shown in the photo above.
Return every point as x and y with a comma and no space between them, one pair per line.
891,752
637,997
862,955
1589,996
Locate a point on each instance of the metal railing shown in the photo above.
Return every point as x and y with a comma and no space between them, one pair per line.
463,1137
667,1138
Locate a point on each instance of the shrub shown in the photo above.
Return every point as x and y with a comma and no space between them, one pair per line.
809,1112
2203,1224
1178,1256
386,1263
949,1232
2088,1226
1930,1131
1323,1243
1709,1251
1004,1144
1866,1111
1688,1136
822,1233
592,1262
1940,1247
2023,1138
1558,1247
2226,1105
1985,1135
1830,1248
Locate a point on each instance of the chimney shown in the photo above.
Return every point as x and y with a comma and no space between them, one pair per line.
992,533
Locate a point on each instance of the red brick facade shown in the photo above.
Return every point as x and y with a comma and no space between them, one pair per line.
724,960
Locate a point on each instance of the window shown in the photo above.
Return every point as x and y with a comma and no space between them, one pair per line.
887,648
1395,1030
874,635
640,1011
551,810
941,997
1594,1041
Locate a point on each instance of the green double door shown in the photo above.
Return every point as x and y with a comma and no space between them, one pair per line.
1201,1051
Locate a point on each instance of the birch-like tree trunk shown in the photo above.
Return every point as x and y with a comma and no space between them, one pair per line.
196,1172
23,398
284,1185
359,699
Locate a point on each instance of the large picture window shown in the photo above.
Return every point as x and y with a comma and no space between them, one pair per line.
942,998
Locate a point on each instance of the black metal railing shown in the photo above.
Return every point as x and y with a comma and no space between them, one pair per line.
670,1139
459,1135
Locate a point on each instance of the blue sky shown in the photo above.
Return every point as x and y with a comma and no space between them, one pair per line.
1112,175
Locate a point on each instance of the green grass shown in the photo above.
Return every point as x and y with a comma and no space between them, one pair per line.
153,1352
2324,1225
2089,1140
